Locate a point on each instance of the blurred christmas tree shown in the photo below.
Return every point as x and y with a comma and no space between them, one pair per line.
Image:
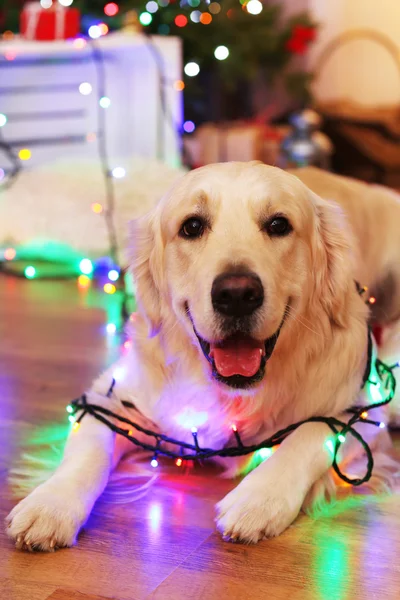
226,45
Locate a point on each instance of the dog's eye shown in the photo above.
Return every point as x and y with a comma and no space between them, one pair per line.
278,226
192,228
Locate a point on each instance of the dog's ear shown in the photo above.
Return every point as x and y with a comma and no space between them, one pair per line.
146,259
333,261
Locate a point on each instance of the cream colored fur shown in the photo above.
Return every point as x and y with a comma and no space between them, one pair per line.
315,369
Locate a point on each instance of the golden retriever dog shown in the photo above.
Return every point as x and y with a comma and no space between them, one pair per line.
248,313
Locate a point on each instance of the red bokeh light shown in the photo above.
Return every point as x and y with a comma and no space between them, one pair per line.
111,9
181,21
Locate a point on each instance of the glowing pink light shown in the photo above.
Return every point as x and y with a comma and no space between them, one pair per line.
111,9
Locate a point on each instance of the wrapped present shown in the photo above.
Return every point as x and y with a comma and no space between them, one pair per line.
236,141
44,24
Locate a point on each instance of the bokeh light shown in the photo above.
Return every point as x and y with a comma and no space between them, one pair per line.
192,69
83,281
118,172
105,102
25,154
30,272
181,21
221,52
189,126
254,7
10,253
111,9
97,207
86,266
109,288
85,88
145,18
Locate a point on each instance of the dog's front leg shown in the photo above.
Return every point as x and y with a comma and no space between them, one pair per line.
268,500
52,515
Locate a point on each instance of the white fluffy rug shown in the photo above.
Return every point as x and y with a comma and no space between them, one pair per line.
54,203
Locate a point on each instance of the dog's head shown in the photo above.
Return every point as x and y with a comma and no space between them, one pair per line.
233,253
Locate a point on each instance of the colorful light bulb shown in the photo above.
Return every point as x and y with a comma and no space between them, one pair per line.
85,88
154,463
25,154
113,275
10,253
109,288
221,52
105,102
118,172
192,69
30,272
111,9
86,266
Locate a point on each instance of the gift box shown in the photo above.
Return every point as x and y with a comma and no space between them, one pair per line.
236,141
44,24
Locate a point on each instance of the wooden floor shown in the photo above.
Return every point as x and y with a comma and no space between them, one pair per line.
163,546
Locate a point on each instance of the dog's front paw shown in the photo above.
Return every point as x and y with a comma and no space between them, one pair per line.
49,518
255,510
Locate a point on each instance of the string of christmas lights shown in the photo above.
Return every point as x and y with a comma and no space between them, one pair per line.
184,451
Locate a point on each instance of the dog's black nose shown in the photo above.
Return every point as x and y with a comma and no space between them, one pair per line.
237,294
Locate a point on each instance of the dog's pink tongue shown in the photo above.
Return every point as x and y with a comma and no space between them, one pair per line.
238,357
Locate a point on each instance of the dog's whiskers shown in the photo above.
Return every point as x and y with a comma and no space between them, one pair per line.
297,319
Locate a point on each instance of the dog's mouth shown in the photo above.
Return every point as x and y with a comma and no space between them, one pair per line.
239,360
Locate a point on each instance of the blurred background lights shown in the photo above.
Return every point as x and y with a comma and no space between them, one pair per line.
10,253
65,2
221,52
30,272
145,18
254,7
192,69
46,3
3,120
83,281
214,8
105,102
111,328
24,154
118,172
163,29
103,28
152,7
179,85
111,9
109,288
86,266
181,21
194,3
195,16
97,207
205,18
189,126
113,275
85,88
94,32
79,43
